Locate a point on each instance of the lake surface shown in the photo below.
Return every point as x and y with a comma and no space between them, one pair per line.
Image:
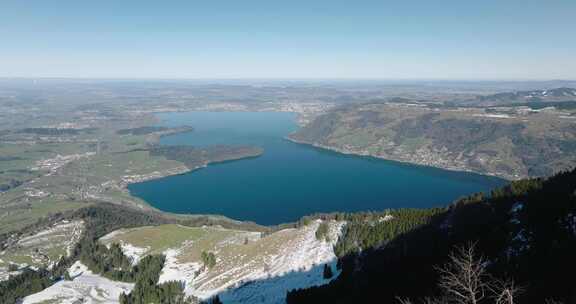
291,180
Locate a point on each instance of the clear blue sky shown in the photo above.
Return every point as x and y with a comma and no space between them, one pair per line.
427,39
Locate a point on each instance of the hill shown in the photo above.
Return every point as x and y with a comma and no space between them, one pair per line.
509,142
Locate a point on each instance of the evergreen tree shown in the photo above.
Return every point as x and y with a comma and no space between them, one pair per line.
327,272
216,300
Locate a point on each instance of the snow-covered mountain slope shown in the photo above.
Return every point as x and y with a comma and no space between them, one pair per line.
249,267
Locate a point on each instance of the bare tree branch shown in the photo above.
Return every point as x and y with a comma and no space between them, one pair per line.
463,279
504,291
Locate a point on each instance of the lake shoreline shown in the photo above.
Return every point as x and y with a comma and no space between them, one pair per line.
182,170
291,179
366,154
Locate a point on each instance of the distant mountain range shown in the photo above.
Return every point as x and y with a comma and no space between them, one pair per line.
551,95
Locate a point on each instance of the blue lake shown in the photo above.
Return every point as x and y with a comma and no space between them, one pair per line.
291,180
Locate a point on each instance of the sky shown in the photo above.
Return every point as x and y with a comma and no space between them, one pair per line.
290,39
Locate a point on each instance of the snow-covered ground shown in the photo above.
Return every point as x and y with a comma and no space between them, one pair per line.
273,290
85,287
250,268
133,252
282,261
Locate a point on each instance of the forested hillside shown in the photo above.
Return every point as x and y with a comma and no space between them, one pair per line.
525,232
194,157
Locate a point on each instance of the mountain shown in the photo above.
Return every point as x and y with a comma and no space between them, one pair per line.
525,232
512,143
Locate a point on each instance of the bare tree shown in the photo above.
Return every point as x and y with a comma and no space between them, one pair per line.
464,278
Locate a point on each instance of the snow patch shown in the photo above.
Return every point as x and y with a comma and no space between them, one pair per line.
493,115
385,218
133,253
519,243
569,223
86,287
517,207
176,271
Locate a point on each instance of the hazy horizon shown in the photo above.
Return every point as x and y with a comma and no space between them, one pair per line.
302,79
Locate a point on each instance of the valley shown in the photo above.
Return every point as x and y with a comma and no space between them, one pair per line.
213,192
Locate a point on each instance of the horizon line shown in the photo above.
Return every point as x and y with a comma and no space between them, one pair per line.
286,79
